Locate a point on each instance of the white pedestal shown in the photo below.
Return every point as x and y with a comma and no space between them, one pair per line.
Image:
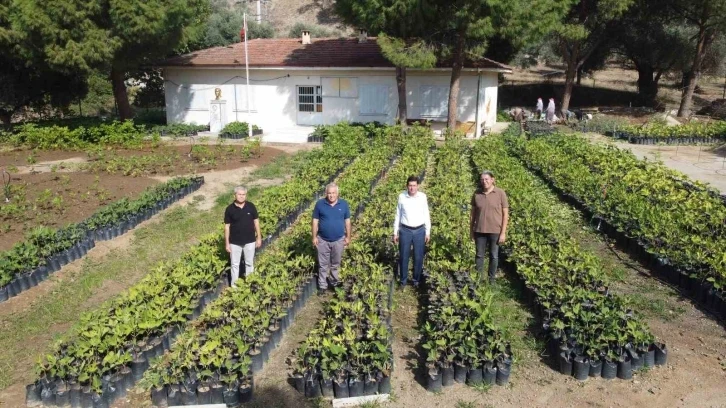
217,115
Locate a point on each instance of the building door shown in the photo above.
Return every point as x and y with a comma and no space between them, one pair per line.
309,105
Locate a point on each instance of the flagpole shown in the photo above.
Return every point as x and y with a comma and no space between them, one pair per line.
247,75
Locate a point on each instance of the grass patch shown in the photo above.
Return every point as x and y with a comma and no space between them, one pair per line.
281,166
657,303
516,322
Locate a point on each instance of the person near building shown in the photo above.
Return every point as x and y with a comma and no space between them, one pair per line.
411,229
550,115
539,108
241,233
488,220
331,234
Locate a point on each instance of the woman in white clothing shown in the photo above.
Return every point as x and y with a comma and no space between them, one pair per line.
412,227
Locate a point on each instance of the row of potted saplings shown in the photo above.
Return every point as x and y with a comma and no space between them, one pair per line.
462,343
349,354
454,355
219,367
583,320
697,278
361,364
76,240
175,283
243,326
96,369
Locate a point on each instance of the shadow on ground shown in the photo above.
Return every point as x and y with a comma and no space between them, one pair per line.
582,96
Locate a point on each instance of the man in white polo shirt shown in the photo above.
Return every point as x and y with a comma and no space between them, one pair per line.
412,227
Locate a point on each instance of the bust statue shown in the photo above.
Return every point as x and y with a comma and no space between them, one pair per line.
217,94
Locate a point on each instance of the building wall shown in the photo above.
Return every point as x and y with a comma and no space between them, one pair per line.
347,95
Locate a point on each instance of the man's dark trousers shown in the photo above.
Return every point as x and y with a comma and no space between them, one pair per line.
406,238
484,241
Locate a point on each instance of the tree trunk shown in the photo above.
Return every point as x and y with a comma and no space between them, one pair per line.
120,95
692,76
579,76
401,85
455,79
647,85
6,117
569,83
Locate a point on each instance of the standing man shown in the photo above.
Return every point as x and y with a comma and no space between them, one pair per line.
539,108
241,232
331,233
412,226
489,219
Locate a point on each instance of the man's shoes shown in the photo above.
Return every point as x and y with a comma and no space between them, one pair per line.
415,285
321,291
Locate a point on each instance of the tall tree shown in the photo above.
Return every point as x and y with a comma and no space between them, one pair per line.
400,24
464,28
646,36
25,79
709,17
585,28
115,36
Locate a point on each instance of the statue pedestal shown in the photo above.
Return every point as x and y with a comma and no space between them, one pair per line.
217,115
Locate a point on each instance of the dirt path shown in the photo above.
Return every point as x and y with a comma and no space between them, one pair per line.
703,163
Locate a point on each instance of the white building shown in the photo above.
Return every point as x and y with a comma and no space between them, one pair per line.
304,82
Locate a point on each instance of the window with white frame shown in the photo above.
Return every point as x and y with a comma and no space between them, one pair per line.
309,98
374,100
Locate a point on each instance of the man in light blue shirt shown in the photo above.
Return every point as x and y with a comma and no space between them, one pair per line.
412,227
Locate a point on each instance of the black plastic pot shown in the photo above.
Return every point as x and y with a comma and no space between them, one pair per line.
609,370
489,374
474,376
245,393
582,368
74,390
138,366
47,395
189,396
86,397
625,368
216,393
649,357
23,282
636,360
447,376
312,386
173,395
355,387
661,354
595,368
99,401
340,388
298,381
460,371
384,385
564,362
158,396
502,375
370,386
3,294
204,395
326,387
433,380
32,395
231,395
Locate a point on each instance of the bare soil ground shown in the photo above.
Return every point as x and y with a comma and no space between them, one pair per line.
283,14
57,198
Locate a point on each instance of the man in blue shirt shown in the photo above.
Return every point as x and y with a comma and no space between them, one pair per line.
331,233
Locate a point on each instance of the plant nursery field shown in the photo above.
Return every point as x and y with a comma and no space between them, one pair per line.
611,290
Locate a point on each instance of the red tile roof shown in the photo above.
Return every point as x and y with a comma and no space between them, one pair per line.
290,52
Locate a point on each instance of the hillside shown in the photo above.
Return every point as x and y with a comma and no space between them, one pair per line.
283,14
